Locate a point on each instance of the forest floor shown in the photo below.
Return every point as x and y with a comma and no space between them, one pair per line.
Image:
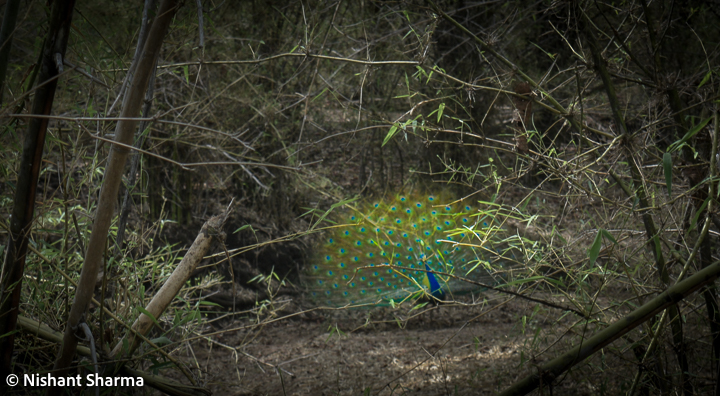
446,350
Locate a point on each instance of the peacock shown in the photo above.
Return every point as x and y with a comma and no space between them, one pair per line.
406,247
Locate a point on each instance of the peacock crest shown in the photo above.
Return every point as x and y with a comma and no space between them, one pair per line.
404,247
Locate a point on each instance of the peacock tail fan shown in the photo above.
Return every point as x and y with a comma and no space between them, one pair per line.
405,247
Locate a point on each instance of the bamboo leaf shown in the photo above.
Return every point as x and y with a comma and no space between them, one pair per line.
667,165
390,134
594,251
692,132
146,312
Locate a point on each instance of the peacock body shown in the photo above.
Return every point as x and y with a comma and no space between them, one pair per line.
404,247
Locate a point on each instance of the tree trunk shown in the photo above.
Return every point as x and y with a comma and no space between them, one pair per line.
124,133
29,169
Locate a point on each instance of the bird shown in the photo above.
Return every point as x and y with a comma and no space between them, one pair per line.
405,248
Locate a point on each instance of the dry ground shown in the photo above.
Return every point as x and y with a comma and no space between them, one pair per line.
444,351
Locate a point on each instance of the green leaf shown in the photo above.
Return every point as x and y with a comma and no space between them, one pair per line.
594,251
187,74
390,134
145,311
320,94
333,207
608,235
244,227
440,111
693,224
667,165
551,56
705,79
692,132
160,341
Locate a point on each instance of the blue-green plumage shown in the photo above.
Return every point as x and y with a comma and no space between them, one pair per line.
399,248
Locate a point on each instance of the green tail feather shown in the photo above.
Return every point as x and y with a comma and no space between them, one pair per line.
401,248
